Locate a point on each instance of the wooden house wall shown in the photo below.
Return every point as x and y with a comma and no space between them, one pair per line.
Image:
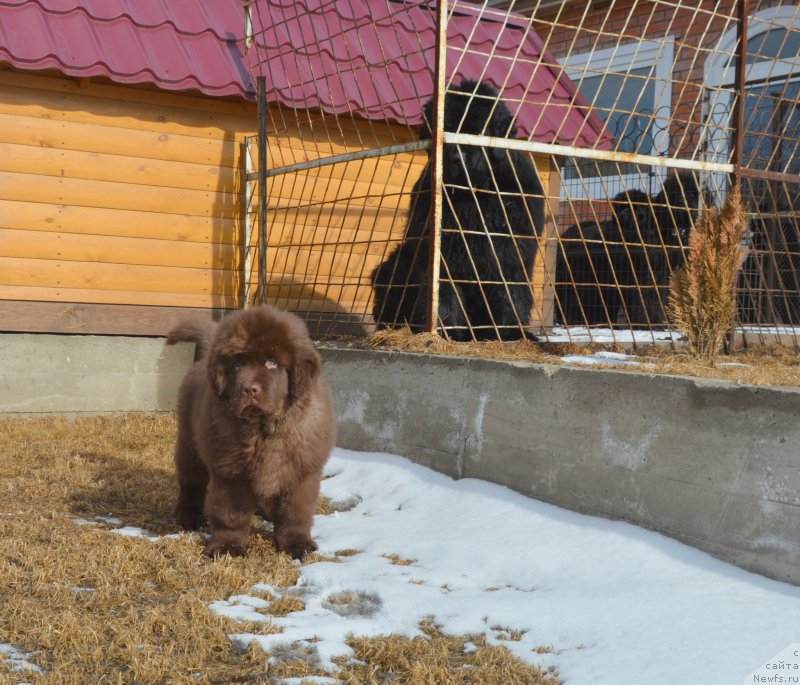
119,207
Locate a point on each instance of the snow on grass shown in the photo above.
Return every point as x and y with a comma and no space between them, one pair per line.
18,660
607,358
135,532
604,602
622,336
582,334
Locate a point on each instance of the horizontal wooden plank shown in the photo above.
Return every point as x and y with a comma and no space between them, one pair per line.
114,250
308,290
344,215
359,239
322,264
331,129
311,307
354,225
87,137
28,316
112,195
29,159
315,186
129,277
118,106
47,216
96,319
200,116
301,146
134,92
89,295
290,195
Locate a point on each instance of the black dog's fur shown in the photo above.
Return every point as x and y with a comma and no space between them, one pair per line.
639,246
476,226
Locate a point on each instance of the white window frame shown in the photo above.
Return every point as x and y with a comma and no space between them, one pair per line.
720,78
621,60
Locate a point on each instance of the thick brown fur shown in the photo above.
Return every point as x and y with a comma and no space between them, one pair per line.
255,427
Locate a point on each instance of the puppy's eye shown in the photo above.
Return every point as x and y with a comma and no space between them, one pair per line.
271,364
237,364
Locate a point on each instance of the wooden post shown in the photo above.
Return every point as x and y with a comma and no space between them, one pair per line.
437,150
262,189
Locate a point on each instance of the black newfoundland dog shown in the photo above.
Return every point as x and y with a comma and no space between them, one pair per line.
493,211
617,271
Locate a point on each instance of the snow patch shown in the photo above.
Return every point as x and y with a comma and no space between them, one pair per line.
18,660
602,601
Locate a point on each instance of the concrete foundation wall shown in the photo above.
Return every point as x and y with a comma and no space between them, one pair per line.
75,374
710,463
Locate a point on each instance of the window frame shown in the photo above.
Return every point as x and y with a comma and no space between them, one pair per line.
720,76
622,60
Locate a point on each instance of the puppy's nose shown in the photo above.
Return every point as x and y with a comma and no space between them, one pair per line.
252,389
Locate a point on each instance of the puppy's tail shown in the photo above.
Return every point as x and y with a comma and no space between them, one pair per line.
200,331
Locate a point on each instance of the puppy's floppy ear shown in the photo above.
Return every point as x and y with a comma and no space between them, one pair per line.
215,368
305,369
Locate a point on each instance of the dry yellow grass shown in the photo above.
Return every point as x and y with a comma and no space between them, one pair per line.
99,607
436,659
96,607
397,560
776,366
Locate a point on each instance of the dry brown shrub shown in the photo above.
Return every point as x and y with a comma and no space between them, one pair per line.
702,300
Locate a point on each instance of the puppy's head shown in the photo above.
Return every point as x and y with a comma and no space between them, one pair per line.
472,107
262,362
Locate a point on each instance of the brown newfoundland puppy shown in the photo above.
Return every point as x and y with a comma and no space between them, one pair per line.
255,427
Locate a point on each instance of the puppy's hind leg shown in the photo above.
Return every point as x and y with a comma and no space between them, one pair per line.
192,482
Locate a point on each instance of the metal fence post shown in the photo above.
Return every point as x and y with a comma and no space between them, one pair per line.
737,134
437,149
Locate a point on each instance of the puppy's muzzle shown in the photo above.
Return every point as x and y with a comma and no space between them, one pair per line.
251,391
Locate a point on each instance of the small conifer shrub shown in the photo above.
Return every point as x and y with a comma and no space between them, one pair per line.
702,301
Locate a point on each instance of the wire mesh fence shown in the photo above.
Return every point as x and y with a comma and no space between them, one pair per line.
514,170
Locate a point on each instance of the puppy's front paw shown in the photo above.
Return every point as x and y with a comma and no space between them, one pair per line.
297,546
217,548
190,518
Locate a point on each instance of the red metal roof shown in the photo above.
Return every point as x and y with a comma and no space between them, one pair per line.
177,45
369,57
